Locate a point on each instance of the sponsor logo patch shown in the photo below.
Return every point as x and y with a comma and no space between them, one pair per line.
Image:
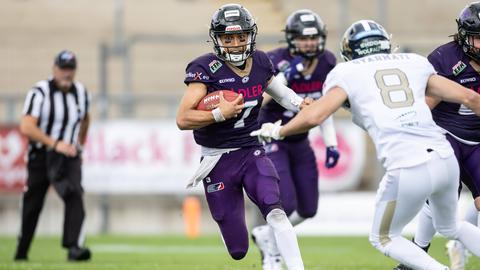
233,28
458,68
214,66
197,76
467,80
310,31
227,80
307,18
283,65
215,187
231,13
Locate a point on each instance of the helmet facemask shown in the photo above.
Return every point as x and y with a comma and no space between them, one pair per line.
224,51
468,23
233,19
305,24
296,48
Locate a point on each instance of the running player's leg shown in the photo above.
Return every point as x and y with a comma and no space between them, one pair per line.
224,194
305,179
400,196
261,185
443,203
263,235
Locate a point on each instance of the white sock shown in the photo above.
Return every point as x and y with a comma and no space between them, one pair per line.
469,236
295,218
409,254
471,214
425,230
286,239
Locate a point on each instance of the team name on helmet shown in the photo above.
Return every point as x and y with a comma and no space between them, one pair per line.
364,38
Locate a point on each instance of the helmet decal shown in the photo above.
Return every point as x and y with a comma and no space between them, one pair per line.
364,38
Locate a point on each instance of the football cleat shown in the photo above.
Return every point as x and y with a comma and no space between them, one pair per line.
457,254
264,240
402,267
79,254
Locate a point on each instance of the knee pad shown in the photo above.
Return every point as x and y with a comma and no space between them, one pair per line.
277,218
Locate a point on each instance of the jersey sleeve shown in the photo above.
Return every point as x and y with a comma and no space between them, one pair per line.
427,67
266,63
436,60
33,102
335,78
197,72
279,64
330,59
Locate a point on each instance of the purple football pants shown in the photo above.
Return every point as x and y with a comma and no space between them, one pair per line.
246,169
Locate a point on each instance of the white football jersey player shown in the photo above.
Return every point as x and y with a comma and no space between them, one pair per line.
386,93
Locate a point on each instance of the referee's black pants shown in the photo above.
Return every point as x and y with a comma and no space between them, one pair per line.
64,173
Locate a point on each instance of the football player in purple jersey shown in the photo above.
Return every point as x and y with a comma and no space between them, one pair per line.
303,66
459,61
232,161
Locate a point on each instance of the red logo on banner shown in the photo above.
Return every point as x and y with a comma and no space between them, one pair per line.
13,173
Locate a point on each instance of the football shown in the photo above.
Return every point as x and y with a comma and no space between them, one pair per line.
210,101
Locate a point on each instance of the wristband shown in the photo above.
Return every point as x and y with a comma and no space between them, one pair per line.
217,115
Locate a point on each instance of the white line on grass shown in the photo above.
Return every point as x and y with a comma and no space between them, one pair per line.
126,248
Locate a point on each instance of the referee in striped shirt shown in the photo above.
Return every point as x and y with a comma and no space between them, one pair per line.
55,119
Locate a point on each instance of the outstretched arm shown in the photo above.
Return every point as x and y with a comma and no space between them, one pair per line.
442,88
284,95
316,113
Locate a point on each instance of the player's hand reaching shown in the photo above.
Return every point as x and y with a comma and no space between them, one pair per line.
306,101
295,67
230,109
268,131
332,157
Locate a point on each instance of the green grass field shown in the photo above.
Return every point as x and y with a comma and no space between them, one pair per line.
206,253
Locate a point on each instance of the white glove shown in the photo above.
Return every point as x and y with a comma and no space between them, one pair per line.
268,131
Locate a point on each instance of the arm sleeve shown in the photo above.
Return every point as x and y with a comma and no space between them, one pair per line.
33,103
284,95
328,132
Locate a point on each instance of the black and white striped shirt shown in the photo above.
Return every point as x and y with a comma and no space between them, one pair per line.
59,113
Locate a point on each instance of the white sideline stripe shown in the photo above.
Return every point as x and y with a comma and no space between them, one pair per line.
125,248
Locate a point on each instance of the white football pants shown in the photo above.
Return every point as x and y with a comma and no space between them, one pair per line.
401,195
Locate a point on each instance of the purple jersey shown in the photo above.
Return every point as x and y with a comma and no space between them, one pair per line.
451,62
217,74
306,84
